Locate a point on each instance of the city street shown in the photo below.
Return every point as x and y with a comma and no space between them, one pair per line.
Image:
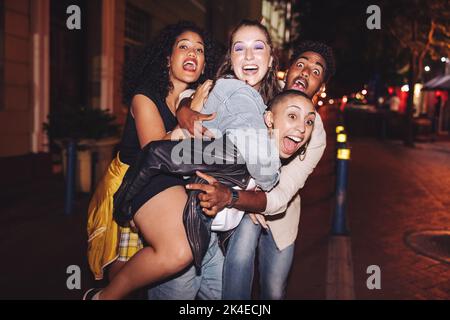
393,190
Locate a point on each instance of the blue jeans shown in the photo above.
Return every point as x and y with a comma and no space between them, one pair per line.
188,285
238,270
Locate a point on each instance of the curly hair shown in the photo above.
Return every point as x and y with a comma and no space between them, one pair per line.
149,69
320,48
269,86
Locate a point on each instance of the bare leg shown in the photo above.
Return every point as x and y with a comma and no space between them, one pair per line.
114,268
160,222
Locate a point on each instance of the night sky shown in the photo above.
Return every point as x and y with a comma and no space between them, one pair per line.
361,54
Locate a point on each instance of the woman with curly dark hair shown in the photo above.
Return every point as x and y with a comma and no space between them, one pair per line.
181,57
238,98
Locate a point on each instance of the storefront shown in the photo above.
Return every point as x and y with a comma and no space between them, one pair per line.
436,103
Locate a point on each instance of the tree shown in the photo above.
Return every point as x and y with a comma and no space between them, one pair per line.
421,29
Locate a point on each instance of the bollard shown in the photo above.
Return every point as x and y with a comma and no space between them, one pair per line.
341,138
339,278
339,225
70,177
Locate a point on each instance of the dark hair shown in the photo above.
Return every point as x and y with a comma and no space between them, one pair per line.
149,70
280,96
269,86
320,48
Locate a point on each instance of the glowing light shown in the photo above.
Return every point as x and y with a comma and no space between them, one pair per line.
320,103
405,88
343,154
331,101
339,129
281,75
342,138
364,92
344,99
323,95
427,68
443,59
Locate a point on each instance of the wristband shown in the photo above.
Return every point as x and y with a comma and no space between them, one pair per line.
234,197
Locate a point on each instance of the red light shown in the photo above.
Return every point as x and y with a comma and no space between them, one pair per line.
438,93
391,90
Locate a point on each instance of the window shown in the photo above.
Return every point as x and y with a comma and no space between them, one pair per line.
137,29
276,15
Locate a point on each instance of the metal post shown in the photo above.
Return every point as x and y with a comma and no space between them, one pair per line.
339,225
340,282
70,177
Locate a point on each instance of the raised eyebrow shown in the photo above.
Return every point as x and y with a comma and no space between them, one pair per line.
300,108
318,63
261,41
314,113
199,42
258,40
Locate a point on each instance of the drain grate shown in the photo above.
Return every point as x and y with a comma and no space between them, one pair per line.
434,244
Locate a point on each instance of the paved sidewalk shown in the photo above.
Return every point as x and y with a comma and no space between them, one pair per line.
392,190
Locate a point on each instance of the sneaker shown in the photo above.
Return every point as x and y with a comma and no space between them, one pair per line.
92,294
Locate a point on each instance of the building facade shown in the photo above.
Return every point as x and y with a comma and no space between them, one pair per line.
45,65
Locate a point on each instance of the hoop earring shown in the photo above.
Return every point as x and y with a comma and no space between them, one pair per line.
302,154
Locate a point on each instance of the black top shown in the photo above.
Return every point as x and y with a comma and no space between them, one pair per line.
130,146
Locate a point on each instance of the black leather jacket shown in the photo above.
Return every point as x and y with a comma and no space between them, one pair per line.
218,158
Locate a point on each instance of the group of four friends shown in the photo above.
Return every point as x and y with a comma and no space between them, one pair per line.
147,221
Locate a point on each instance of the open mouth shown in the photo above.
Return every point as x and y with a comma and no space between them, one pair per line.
300,84
250,69
291,143
190,65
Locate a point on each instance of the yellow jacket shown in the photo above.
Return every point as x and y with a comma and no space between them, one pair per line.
103,232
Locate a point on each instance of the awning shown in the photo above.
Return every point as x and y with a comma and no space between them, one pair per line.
438,83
